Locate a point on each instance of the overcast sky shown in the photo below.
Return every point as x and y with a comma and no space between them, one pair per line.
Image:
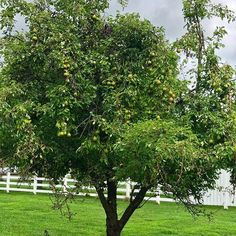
168,13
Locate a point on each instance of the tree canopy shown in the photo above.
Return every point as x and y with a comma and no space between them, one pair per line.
102,98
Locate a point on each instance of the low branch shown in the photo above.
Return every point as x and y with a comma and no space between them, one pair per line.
103,199
132,192
133,206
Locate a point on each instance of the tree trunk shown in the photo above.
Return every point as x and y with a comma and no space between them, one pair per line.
113,228
110,206
112,222
113,225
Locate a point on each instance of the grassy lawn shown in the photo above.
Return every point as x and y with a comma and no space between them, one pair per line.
29,215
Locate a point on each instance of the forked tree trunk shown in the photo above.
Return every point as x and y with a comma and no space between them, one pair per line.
113,225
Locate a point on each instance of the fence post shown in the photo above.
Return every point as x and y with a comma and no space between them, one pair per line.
226,188
128,189
65,182
158,196
8,181
226,202
35,185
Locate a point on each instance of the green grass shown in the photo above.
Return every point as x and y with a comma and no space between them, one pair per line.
24,214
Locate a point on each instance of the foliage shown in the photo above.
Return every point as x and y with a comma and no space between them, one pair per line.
101,98
210,105
169,155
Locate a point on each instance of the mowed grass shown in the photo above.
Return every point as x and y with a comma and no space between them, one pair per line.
29,215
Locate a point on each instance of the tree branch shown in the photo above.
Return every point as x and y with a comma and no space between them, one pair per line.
133,206
103,199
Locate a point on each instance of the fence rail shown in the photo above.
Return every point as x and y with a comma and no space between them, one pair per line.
221,196
14,183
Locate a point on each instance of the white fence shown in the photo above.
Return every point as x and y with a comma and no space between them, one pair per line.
13,183
221,196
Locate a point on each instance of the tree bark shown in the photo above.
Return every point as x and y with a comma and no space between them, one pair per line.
113,225
110,206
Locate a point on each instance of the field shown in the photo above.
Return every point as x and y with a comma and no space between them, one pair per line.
30,215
